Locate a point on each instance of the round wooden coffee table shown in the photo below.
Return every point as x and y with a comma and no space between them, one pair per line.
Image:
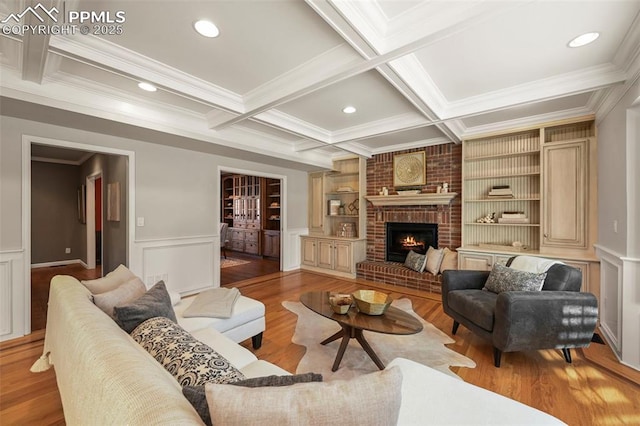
353,323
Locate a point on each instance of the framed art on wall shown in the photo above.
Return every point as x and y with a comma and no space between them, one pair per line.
113,202
409,169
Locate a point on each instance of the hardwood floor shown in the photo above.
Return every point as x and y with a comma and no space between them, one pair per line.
40,279
257,267
581,393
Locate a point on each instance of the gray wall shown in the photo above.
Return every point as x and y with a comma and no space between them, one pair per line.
615,155
54,213
114,234
175,188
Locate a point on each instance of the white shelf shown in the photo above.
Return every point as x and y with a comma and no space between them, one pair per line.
505,155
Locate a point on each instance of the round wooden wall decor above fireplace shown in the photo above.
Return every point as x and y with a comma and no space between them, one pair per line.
408,169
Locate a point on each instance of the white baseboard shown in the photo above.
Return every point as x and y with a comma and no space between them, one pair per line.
59,263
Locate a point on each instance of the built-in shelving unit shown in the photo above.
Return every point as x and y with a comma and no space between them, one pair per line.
337,235
546,172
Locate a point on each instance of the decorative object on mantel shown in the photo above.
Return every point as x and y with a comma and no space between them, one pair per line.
428,199
489,218
409,192
445,187
409,169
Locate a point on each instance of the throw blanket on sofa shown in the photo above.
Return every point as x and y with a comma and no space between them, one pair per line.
216,303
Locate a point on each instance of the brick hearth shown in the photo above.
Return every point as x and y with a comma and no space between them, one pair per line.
443,165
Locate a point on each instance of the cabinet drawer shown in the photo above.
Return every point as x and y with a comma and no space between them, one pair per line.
237,235
239,224
253,225
251,235
250,247
237,245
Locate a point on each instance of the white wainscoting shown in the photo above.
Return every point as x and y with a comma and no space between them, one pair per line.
187,265
291,258
12,295
620,304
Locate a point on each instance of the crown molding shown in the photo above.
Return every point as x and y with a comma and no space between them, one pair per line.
114,58
411,71
93,101
525,122
410,145
627,54
393,124
313,73
295,125
82,159
582,81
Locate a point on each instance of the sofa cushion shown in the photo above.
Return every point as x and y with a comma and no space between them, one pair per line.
190,361
197,397
415,261
434,259
475,305
125,293
110,281
503,278
154,303
371,399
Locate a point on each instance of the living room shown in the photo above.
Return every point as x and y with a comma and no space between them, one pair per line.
404,66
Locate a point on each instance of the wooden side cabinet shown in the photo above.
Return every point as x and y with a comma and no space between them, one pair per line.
271,243
330,254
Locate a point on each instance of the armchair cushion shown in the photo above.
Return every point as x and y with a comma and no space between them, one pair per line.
476,305
503,279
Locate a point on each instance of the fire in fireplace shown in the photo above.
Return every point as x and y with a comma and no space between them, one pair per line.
403,237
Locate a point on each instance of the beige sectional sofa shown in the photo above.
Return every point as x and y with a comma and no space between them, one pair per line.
105,377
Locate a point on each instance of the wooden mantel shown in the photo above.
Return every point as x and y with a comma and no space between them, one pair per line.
430,199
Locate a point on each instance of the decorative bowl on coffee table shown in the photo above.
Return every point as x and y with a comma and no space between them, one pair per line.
340,303
371,302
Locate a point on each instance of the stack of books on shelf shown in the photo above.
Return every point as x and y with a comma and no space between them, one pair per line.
500,191
513,217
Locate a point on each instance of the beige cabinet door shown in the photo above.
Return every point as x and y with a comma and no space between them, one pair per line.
316,204
475,261
325,254
342,253
564,206
309,252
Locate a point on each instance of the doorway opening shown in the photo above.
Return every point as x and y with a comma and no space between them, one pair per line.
64,222
251,223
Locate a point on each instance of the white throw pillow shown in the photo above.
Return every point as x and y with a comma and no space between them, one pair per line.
372,399
122,295
449,260
110,281
434,259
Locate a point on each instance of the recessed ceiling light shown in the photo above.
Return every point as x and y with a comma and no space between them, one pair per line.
584,39
147,86
206,28
349,109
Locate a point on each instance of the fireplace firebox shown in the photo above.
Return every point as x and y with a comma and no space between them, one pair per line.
403,237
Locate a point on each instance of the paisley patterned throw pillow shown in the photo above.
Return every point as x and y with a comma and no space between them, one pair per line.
189,360
503,278
415,261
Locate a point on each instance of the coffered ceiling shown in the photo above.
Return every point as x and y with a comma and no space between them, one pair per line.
275,81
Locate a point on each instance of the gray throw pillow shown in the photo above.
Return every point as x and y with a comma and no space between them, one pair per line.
154,303
503,278
415,261
197,397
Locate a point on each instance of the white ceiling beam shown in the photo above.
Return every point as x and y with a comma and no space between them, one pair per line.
35,46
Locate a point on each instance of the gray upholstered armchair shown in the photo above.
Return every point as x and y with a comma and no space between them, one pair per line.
558,317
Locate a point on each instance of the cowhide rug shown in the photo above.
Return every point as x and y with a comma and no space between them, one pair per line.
426,347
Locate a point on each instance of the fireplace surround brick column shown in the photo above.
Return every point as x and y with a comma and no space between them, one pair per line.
444,164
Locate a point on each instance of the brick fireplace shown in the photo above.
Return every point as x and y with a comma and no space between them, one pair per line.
444,164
